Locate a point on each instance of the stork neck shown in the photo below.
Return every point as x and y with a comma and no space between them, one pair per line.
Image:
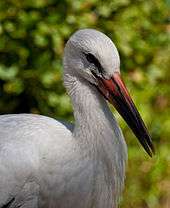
93,118
97,133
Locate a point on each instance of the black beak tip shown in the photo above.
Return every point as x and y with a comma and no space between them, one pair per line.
151,153
148,146
153,150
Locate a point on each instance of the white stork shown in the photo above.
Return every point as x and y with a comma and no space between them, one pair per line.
45,163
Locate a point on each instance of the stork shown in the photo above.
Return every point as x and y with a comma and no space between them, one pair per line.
45,163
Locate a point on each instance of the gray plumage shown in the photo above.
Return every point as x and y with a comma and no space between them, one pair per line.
45,163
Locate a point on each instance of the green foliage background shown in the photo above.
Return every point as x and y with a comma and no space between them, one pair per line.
32,37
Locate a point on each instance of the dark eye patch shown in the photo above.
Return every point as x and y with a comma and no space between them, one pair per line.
93,60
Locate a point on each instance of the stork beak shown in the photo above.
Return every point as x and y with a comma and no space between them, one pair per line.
115,91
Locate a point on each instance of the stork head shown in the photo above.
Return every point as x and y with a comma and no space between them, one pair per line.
91,55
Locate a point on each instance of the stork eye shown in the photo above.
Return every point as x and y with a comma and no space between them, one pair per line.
93,60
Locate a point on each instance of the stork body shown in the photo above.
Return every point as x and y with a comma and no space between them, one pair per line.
48,164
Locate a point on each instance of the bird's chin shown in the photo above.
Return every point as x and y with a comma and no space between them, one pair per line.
91,78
